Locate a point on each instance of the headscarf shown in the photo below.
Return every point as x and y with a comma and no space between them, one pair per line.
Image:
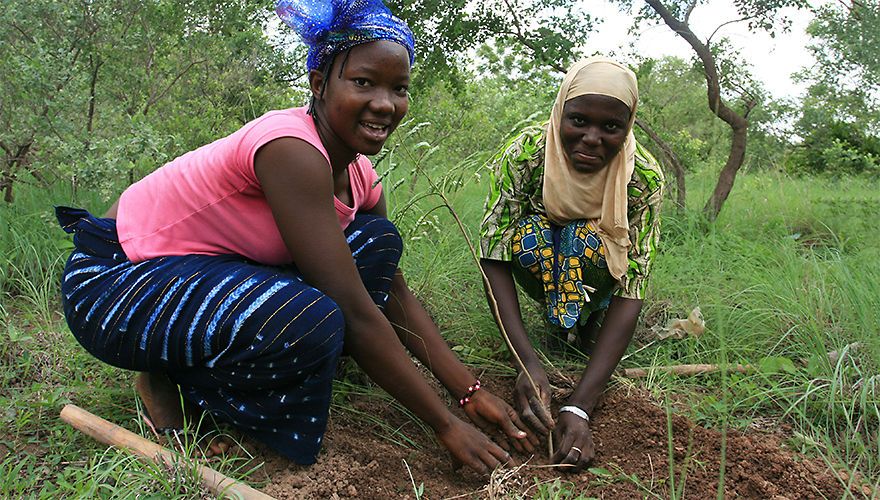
329,27
569,194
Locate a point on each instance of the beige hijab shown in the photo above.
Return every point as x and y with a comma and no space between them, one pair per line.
569,194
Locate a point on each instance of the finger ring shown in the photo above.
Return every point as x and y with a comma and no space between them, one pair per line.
575,448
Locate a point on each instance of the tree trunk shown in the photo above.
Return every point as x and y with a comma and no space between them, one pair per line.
671,160
728,173
738,123
6,187
93,83
14,161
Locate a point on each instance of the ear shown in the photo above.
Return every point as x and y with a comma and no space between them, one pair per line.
316,81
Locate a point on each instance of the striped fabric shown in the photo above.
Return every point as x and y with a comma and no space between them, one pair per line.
516,182
253,345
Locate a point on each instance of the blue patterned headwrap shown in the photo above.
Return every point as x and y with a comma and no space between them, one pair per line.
329,27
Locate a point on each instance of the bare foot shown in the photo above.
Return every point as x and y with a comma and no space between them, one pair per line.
167,410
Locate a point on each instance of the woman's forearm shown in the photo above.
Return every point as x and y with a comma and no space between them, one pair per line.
420,335
614,337
503,290
375,347
111,212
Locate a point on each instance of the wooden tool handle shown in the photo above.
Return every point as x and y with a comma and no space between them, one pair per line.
113,435
684,370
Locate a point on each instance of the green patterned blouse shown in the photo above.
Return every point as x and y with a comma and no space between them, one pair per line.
516,181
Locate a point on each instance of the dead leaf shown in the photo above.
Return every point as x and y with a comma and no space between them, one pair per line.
692,326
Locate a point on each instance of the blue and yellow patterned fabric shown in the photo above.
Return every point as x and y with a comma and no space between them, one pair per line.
569,264
515,191
557,265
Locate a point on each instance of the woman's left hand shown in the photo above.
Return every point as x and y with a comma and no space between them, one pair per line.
574,442
490,413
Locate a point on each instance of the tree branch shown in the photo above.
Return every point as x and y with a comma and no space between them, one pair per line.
689,10
671,158
710,69
734,21
23,32
155,98
523,40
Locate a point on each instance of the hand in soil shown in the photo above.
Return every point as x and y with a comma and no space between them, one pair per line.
166,410
468,446
491,414
534,408
574,442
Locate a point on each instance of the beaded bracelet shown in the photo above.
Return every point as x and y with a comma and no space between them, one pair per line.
470,393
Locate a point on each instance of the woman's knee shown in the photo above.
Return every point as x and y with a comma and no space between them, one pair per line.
319,328
376,247
374,234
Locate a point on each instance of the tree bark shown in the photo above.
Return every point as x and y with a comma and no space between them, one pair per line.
728,174
671,159
14,161
90,120
6,187
738,124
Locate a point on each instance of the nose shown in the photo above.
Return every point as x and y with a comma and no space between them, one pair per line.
382,102
592,137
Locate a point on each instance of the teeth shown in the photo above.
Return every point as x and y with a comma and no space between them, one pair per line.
373,126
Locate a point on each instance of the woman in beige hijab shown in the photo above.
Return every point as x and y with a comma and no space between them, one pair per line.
573,217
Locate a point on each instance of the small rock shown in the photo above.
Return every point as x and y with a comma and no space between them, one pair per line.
351,491
867,491
298,481
373,465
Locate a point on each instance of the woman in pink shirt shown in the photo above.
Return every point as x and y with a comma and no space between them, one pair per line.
237,274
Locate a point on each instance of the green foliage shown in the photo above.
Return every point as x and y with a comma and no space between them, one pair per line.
783,277
672,98
839,148
758,14
558,490
489,109
105,91
543,33
840,118
847,45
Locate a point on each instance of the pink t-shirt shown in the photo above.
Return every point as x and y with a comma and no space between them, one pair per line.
209,200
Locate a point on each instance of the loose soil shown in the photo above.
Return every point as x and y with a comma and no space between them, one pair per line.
632,446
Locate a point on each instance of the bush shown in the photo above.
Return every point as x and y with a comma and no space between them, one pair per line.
839,149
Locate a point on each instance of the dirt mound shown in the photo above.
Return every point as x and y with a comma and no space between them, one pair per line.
630,432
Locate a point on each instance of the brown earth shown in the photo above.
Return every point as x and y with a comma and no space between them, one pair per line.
632,448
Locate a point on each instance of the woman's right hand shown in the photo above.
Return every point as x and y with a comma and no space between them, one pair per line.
534,409
470,447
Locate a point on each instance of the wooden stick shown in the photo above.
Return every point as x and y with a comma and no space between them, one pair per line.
113,435
493,303
684,370
699,369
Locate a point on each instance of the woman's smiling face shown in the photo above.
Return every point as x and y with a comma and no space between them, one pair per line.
593,129
366,101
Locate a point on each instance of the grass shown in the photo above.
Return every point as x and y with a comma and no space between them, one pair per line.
786,275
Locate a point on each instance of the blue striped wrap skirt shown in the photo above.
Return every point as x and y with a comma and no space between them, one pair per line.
251,344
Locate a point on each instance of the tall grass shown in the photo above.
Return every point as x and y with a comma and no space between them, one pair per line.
786,275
